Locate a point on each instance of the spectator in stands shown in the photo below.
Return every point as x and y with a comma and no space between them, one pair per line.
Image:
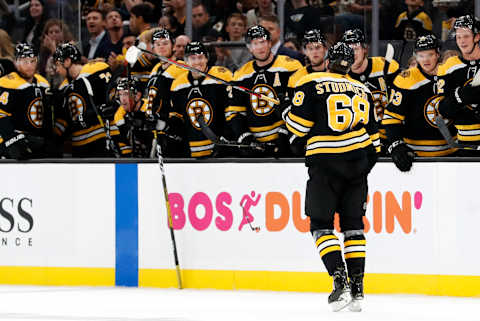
98,46
6,54
264,8
37,16
412,62
170,23
305,17
54,33
178,9
233,58
179,46
114,26
292,44
447,54
272,25
141,18
201,22
7,17
413,22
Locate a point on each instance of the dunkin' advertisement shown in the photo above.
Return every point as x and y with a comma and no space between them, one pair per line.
251,217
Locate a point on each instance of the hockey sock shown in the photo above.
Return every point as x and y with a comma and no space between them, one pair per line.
354,249
328,247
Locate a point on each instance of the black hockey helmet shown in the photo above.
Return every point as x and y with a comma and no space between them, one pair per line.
195,48
67,50
467,22
257,31
312,36
353,36
426,43
162,34
24,50
131,84
341,57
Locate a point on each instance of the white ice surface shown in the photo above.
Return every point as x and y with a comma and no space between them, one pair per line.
18,303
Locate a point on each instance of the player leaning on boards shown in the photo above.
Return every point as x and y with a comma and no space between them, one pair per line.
377,73
23,118
455,82
194,95
409,117
253,119
85,91
337,115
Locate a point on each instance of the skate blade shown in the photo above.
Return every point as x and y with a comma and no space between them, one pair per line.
344,300
355,306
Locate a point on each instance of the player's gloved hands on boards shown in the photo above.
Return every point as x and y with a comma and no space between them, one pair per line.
402,155
17,147
247,138
283,109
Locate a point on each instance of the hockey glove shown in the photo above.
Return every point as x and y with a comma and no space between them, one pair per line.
107,111
467,95
17,147
284,108
402,155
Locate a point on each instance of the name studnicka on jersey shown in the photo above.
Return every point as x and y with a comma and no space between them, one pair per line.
338,87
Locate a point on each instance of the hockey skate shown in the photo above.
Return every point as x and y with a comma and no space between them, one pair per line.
341,295
356,286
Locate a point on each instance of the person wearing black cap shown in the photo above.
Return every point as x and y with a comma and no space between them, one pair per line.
24,120
336,115
409,118
198,100
253,119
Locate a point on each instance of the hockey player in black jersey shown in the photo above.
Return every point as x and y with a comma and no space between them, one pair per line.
337,116
251,118
410,116
195,96
375,72
25,125
85,108
455,83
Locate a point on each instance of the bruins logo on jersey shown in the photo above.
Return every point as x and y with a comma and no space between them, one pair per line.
262,107
430,111
199,106
380,100
35,112
76,105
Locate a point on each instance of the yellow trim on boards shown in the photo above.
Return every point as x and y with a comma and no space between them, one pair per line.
66,276
375,283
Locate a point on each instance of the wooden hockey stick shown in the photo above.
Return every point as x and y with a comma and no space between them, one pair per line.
134,52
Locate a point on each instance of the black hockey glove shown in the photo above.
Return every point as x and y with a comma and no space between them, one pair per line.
107,111
283,109
467,95
402,155
17,147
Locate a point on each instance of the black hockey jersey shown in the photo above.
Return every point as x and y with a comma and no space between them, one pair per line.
411,114
159,86
457,72
410,26
249,113
22,105
203,97
337,115
143,68
297,75
84,97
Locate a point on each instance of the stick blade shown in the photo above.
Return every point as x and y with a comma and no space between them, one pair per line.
132,55
390,52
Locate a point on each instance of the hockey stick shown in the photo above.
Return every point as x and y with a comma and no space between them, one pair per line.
169,213
134,52
388,61
106,126
208,132
439,121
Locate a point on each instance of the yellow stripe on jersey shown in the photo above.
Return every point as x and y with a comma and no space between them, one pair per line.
266,133
430,148
314,76
286,63
378,64
330,249
267,128
451,64
232,111
393,115
14,81
425,20
468,127
298,125
324,238
338,144
297,76
93,67
244,72
410,79
402,16
200,143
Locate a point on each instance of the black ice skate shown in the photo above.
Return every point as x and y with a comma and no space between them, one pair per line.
356,286
341,295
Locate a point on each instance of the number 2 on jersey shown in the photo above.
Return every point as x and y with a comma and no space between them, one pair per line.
345,112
